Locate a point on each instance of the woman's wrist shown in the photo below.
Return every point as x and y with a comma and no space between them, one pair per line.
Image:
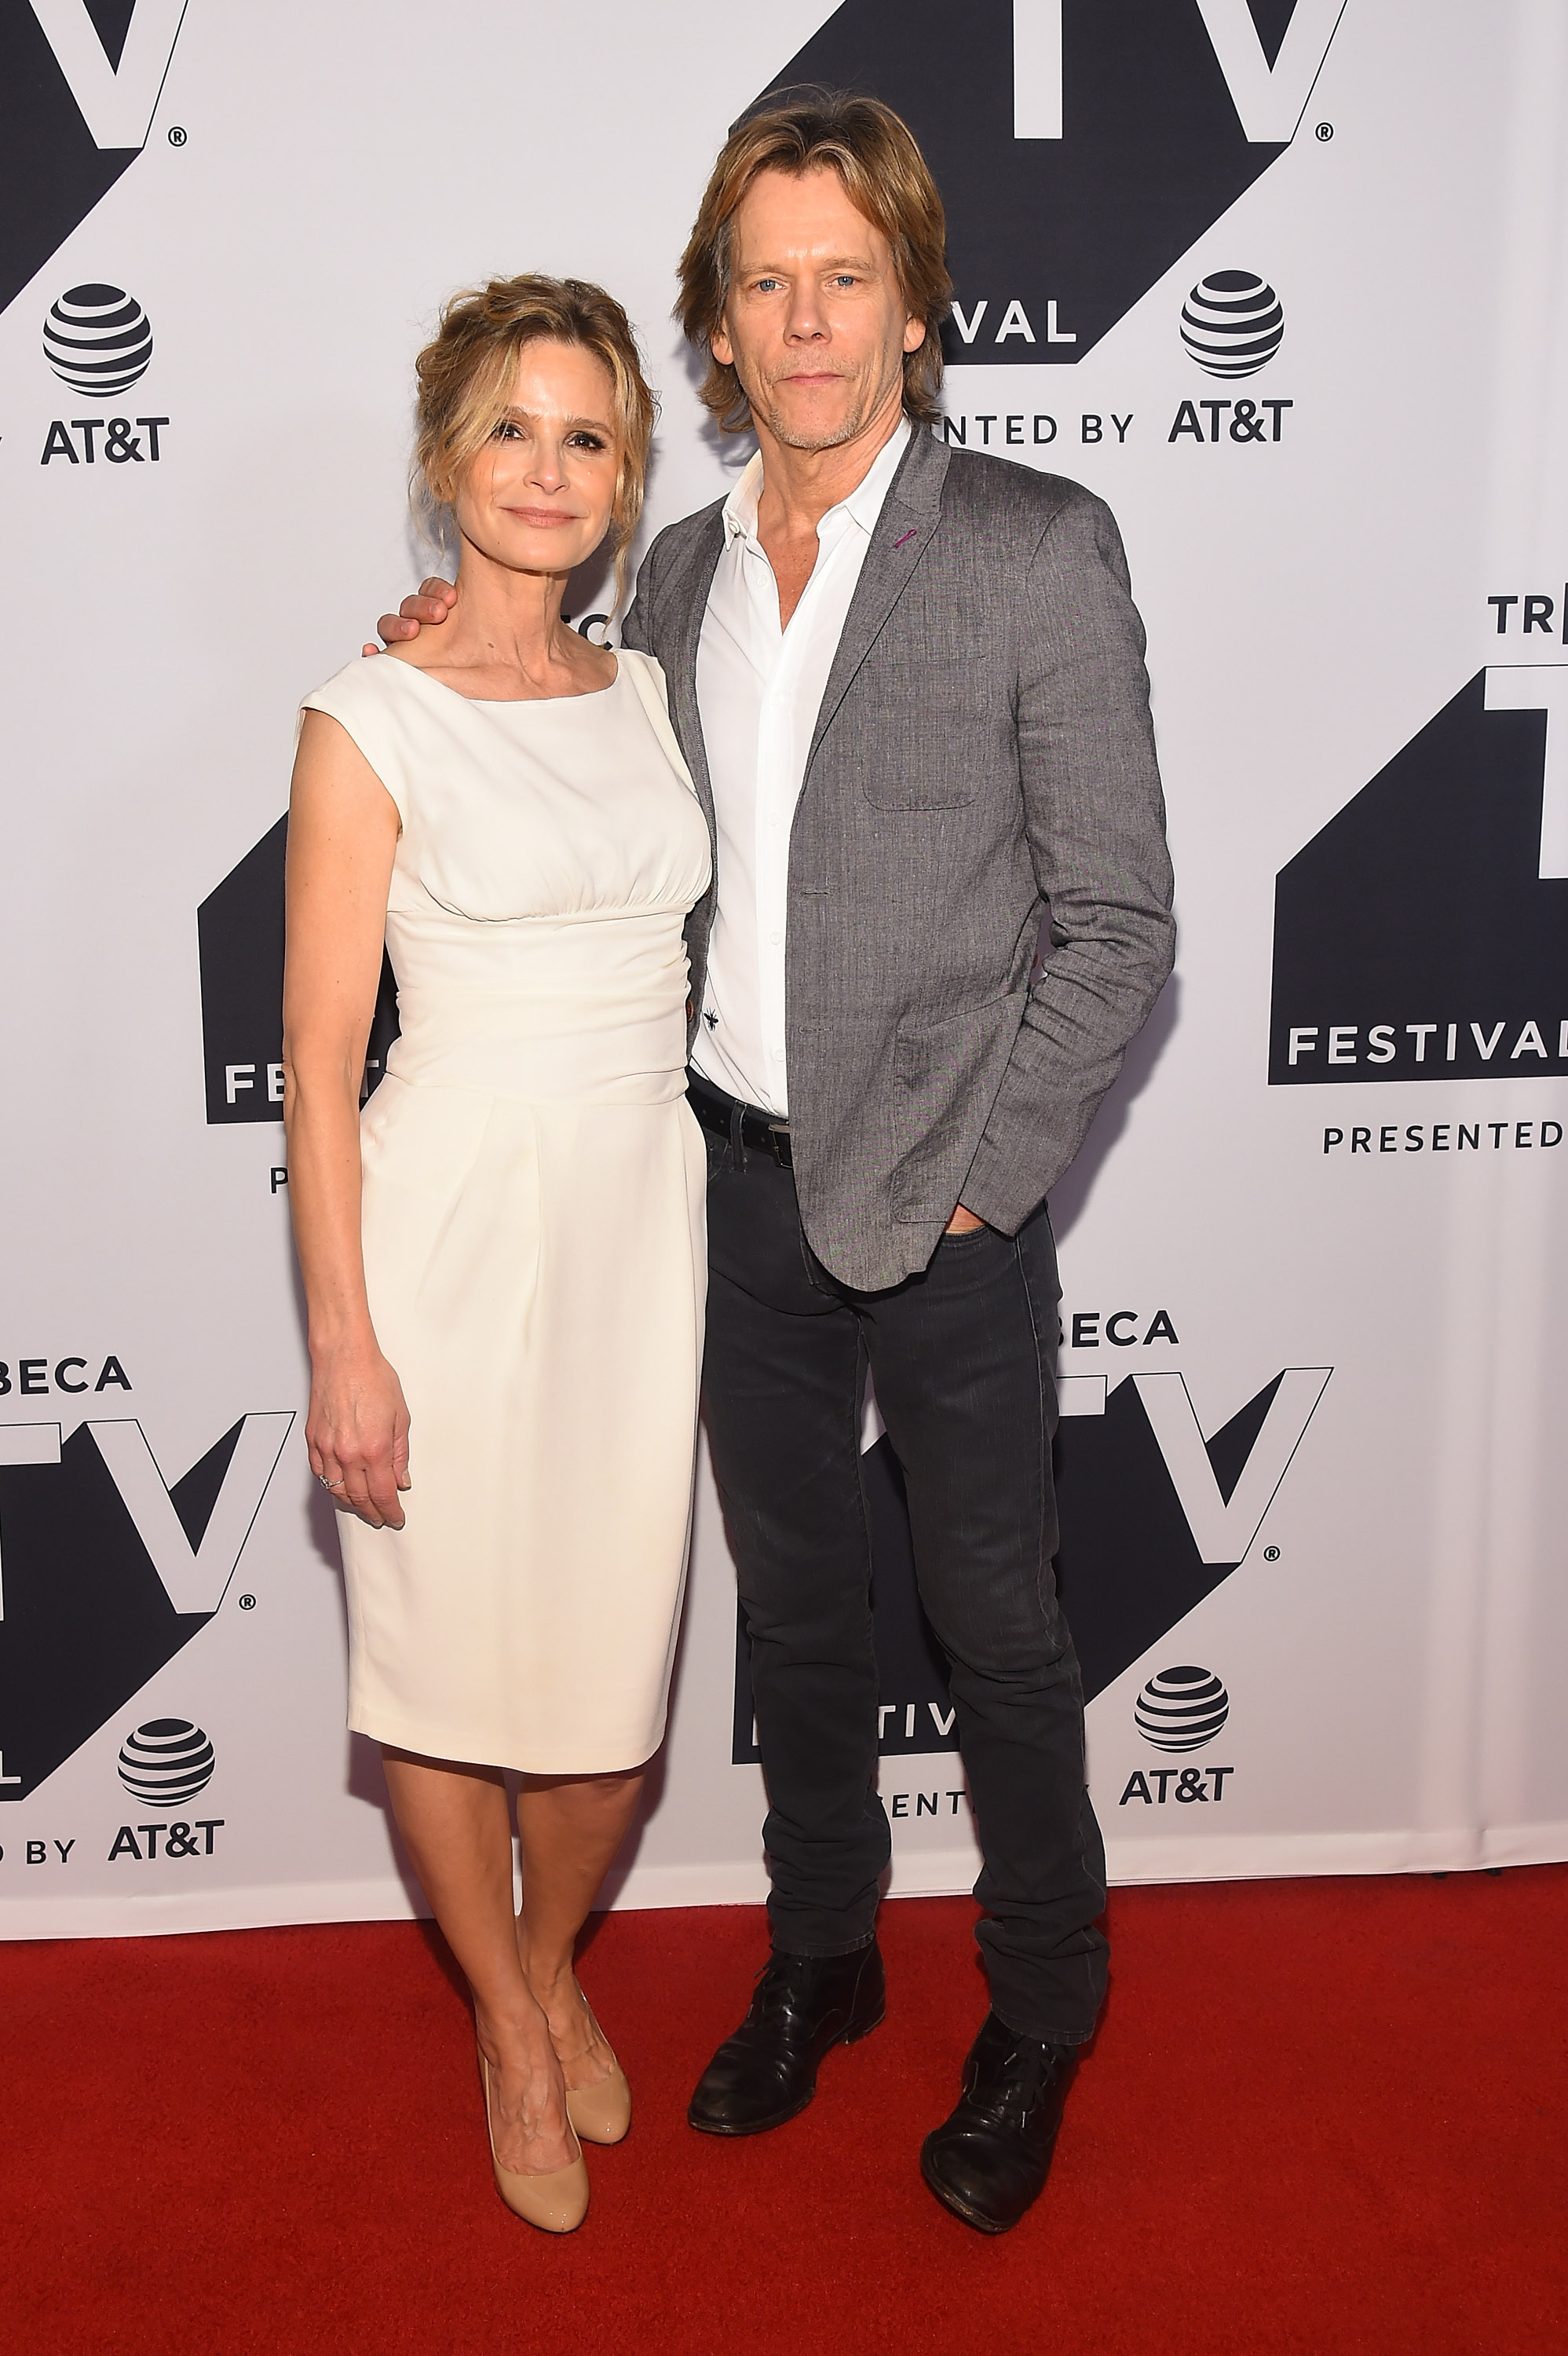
333,1347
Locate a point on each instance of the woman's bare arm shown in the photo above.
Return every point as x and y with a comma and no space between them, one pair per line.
342,834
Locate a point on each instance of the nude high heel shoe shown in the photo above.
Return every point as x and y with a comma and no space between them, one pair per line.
556,2203
600,2114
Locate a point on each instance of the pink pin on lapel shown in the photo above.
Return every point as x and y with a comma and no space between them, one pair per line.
908,535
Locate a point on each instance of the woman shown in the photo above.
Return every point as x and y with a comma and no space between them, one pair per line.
504,1256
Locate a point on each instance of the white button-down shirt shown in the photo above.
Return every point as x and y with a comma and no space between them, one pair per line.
759,689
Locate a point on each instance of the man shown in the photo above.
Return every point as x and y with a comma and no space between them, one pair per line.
909,684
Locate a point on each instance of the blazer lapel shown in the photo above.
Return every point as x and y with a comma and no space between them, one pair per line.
911,513
684,598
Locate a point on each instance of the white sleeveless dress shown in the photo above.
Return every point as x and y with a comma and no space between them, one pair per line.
533,1222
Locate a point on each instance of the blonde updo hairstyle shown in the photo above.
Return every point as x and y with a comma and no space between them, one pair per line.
465,377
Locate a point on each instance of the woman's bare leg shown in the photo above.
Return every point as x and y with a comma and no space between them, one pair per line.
457,1830
571,1827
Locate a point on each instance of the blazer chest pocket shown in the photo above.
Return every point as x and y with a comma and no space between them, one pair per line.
927,728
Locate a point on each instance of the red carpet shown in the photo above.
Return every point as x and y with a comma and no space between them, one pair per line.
1321,2115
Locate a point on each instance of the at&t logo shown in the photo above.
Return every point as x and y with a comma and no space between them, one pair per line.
1233,323
179,1839
165,1764
98,341
1180,1709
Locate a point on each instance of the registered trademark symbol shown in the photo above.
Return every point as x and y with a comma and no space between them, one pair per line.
178,134
1325,133
1270,1554
247,1602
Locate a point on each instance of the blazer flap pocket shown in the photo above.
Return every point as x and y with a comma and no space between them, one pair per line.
947,1046
948,1073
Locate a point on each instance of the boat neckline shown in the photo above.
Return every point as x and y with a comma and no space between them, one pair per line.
509,703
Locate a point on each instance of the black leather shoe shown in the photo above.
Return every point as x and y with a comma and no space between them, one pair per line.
803,2005
990,2159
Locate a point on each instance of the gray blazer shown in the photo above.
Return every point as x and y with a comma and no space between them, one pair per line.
983,751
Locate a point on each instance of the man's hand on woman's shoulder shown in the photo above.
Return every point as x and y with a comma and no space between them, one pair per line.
432,602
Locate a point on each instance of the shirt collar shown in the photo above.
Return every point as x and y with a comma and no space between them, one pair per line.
862,506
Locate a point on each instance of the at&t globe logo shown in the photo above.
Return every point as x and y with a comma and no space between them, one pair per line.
1182,1709
165,1762
1179,1711
98,341
1231,323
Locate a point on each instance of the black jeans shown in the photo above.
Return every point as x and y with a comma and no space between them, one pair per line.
959,1357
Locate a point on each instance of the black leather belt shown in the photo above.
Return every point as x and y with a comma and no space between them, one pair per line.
742,1124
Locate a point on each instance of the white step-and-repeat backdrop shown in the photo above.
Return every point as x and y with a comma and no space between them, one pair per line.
1287,285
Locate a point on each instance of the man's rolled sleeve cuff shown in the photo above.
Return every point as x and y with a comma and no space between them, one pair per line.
1000,1193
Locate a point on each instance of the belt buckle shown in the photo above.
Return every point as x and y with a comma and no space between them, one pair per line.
778,1142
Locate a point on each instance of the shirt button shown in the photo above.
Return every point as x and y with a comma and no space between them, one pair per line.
776,938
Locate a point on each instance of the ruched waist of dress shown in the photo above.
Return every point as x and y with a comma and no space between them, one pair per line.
596,1049
587,1008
